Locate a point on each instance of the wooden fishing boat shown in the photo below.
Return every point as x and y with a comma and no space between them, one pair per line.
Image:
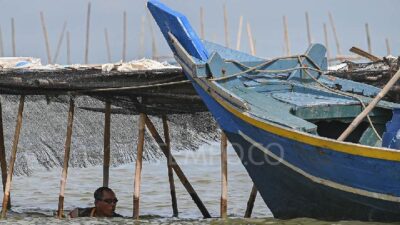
283,117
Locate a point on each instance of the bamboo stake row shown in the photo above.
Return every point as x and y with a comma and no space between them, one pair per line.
124,38
286,36
46,38
60,40
107,45
1,44
87,34
14,50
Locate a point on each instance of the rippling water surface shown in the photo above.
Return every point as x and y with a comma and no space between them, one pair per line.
35,198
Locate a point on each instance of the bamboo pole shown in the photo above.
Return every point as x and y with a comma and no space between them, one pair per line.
250,202
368,38
328,52
13,156
60,40
14,48
107,45
106,160
1,44
226,27
3,161
339,51
286,36
87,34
170,170
138,167
153,39
189,188
142,32
202,34
308,29
389,52
239,34
124,38
251,40
68,49
370,106
224,176
46,38
67,150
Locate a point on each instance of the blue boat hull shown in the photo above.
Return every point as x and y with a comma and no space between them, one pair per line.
289,195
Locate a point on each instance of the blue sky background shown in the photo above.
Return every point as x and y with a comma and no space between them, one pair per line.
265,17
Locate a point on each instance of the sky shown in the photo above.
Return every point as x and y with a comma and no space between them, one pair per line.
264,16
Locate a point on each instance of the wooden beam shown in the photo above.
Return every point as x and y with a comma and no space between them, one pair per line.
59,43
124,25
308,29
170,170
3,162
339,51
370,107
239,34
107,45
46,38
13,157
107,129
224,176
286,36
87,34
250,202
177,169
14,48
138,167
364,54
67,150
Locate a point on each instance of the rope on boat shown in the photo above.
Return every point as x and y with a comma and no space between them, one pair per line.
303,68
345,94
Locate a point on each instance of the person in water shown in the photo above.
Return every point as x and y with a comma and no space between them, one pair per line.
105,202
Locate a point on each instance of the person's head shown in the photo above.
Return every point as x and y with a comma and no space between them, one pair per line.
105,201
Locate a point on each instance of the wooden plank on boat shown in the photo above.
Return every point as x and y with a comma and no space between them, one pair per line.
364,54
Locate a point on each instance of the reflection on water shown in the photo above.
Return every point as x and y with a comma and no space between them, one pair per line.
35,198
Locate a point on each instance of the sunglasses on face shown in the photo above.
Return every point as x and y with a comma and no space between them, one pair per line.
109,201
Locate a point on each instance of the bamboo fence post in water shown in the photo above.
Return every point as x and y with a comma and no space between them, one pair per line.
389,52
14,48
3,155
87,34
286,36
239,34
46,38
141,38
13,156
138,167
202,34
224,176
67,150
339,51
189,188
1,44
68,49
106,160
107,45
308,29
370,107
368,38
170,170
124,38
251,40
60,40
226,27
328,52
250,202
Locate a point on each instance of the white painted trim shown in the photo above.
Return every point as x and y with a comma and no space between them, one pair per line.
318,180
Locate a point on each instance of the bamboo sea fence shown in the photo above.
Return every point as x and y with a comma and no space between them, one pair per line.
163,141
